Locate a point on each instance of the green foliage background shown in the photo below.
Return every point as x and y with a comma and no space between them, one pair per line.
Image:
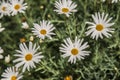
103,63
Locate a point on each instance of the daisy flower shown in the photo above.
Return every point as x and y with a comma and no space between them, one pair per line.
65,7
74,50
100,26
43,30
11,73
17,6
27,56
1,29
4,8
1,51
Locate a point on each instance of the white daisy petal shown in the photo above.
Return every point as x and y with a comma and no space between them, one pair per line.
1,51
1,29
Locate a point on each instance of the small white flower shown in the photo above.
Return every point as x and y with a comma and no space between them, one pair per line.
1,51
27,56
65,7
17,6
100,26
7,59
11,73
1,29
74,50
4,8
25,25
43,30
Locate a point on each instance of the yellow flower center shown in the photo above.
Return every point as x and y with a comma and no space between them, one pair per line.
68,78
43,31
74,51
22,40
13,78
28,57
99,27
65,10
17,7
4,8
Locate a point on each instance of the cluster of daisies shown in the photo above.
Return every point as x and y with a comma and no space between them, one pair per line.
28,55
12,7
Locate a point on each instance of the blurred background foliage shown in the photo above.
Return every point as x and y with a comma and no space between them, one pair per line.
104,60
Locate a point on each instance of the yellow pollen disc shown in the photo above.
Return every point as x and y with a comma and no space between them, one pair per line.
74,51
22,40
99,27
43,31
28,57
17,7
65,10
68,78
13,78
4,8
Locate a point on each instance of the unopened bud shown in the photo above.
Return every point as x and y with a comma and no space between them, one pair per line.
25,25
31,38
7,59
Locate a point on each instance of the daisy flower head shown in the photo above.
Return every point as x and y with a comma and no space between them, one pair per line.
1,29
11,73
101,26
4,8
43,30
65,7
1,51
27,56
74,49
17,6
